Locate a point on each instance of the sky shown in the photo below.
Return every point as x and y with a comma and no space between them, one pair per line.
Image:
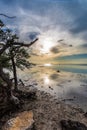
60,25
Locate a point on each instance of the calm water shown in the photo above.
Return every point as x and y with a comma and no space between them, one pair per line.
72,68
69,84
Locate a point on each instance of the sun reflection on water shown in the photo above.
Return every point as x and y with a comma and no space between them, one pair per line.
46,80
48,64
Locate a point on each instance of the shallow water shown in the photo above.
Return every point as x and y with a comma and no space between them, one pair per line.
66,82
72,68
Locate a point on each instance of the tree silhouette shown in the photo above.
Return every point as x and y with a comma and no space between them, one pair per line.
14,51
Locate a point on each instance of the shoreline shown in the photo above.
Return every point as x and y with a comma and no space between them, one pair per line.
48,112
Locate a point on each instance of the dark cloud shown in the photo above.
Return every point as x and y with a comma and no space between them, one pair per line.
78,10
57,49
70,45
54,50
80,24
63,43
60,40
33,35
9,1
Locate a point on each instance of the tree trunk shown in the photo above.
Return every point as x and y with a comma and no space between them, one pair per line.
7,81
14,73
8,101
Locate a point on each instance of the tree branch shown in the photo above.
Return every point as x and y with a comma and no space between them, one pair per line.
16,43
8,16
25,45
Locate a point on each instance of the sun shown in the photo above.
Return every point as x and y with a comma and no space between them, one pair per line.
46,45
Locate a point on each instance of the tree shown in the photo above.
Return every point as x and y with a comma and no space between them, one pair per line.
11,50
18,57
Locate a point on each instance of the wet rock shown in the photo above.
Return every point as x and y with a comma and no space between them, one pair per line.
69,80
58,71
30,85
70,99
72,125
22,121
74,97
35,84
50,88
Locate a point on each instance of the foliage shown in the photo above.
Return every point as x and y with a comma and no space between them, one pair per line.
20,54
12,54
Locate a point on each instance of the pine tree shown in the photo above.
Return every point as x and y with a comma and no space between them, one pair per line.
12,55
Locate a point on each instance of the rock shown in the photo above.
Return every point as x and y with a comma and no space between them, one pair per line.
35,84
25,95
85,114
50,88
69,80
72,125
22,121
15,99
7,104
70,99
58,71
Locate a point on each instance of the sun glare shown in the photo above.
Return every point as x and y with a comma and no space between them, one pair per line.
47,44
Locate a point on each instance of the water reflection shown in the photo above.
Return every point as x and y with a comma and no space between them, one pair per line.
66,83
47,65
54,76
46,80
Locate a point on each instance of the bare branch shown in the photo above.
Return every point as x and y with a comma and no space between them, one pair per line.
25,45
8,16
17,43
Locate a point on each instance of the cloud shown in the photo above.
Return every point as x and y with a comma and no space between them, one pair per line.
81,24
54,50
55,19
62,47
70,57
83,46
33,35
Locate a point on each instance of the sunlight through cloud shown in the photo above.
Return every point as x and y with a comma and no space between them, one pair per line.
46,45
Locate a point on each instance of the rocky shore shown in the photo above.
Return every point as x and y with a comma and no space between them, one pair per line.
48,113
